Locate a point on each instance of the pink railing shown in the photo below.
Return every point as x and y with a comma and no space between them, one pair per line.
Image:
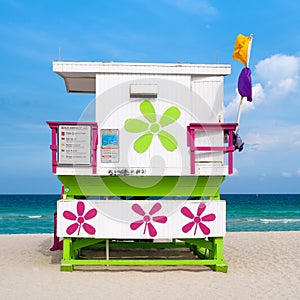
227,128
54,145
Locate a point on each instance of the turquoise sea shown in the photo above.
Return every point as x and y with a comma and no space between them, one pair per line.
34,213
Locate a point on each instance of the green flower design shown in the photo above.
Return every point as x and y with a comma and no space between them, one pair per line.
153,127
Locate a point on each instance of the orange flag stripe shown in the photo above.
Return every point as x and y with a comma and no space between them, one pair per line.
241,49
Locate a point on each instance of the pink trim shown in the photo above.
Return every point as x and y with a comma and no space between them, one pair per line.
227,128
54,146
230,152
212,126
188,136
94,148
50,123
192,148
57,243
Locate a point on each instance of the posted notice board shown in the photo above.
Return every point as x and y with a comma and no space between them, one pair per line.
109,145
74,144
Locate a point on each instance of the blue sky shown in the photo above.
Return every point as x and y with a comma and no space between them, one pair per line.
187,31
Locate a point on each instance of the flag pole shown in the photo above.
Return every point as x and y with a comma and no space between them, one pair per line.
241,101
239,116
249,49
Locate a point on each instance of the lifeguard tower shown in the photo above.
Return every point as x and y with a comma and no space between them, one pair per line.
146,172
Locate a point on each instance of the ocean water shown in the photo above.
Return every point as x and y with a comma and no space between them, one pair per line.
34,213
262,212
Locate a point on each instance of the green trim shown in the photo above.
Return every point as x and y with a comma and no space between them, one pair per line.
197,186
141,262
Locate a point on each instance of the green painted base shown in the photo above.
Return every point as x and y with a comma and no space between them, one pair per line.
208,186
209,252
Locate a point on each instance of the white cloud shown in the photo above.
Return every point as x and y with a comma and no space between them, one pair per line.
274,135
279,75
291,174
286,174
262,140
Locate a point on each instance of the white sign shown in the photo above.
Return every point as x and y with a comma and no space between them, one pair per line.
74,144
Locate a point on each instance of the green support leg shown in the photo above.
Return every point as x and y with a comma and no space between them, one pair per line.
66,264
217,255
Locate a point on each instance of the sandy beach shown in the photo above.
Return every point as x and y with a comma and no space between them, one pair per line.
262,265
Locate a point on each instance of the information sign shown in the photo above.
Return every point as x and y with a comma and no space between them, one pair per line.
74,144
109,145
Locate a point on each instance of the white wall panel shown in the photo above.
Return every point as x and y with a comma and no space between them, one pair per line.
119,219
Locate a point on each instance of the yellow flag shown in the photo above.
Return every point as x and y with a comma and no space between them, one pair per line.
241,49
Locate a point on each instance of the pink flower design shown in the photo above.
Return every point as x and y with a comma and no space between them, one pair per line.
197,220
148,218
80,219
